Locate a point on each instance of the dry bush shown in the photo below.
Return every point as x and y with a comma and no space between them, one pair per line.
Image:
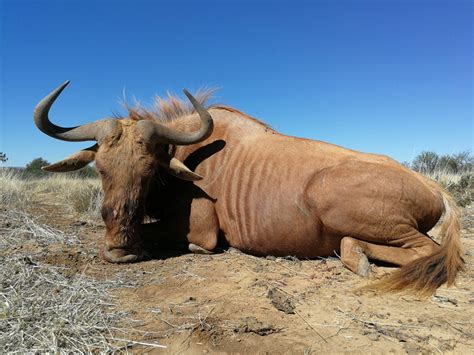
455,172
460,185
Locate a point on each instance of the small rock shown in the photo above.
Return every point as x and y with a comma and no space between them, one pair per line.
373,336
281,301
253,325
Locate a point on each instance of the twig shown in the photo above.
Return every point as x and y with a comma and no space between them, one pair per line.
372,323
296,272
140,343
304,320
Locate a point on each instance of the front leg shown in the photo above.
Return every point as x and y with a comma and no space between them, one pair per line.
194,228
163,235
203,226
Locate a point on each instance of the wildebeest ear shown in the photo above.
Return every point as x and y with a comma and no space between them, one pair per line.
73,162
176,168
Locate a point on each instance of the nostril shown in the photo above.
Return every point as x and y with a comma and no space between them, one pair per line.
121,255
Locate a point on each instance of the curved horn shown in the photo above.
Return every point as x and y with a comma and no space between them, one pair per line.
168,135
88,132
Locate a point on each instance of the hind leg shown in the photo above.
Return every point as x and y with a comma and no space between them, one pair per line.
355,253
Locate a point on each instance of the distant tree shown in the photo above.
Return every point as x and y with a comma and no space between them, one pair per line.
425,162
33,168
464,161
429,162
3,157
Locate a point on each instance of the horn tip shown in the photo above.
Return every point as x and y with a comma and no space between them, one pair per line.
186,92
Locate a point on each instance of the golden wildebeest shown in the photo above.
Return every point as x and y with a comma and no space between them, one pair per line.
259,191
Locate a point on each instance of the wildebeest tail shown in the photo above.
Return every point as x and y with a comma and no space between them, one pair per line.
424,275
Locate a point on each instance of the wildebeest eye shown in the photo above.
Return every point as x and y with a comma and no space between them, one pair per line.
102,172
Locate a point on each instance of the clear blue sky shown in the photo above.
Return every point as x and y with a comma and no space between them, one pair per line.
390,77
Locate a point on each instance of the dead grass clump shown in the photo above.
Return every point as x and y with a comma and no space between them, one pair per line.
44,311
18,228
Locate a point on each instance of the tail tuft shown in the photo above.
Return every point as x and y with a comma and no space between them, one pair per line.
422,276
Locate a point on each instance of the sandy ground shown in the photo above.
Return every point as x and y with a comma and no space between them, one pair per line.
232,302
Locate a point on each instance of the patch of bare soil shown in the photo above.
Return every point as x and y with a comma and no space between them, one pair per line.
232,302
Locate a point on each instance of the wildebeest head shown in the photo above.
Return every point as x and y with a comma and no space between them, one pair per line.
127,153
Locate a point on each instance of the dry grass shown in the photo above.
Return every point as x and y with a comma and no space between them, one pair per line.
14,192
45,311
18,228
79,196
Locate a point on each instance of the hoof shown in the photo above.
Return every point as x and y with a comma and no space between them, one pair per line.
119,255
363,268
196,249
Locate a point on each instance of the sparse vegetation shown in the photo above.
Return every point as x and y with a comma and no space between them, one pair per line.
43,308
